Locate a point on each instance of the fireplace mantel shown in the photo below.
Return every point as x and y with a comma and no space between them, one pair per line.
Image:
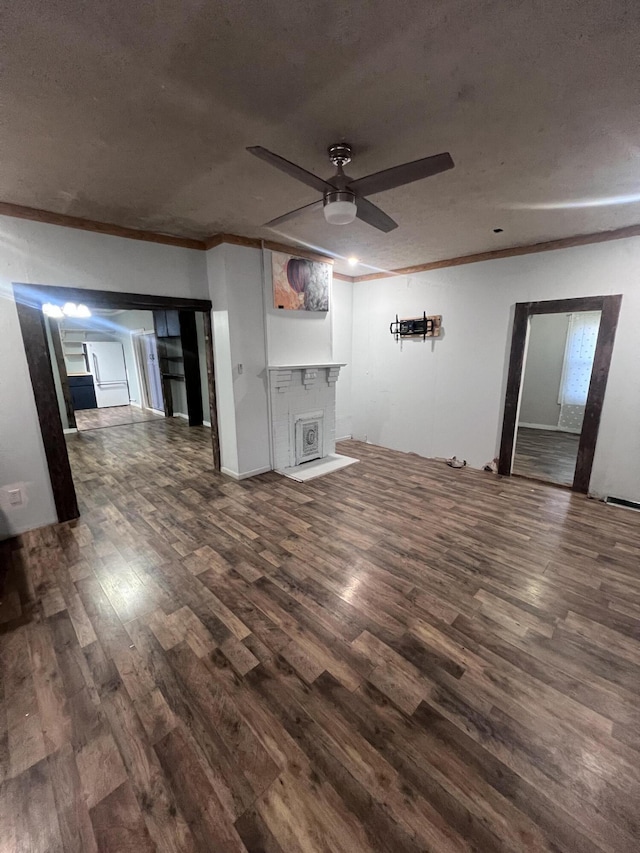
281,375
305,366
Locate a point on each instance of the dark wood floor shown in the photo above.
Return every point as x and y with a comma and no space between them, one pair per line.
113,416
397,657
546,455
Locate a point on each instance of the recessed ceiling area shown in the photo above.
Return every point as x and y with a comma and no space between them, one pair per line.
139,114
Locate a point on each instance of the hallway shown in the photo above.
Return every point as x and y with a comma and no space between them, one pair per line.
113,416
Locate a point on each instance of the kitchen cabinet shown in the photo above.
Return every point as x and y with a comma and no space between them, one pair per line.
83,394
167,324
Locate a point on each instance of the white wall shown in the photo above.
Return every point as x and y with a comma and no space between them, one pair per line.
235,284
249,334
296,337
543,370
34,252
444,397
342,318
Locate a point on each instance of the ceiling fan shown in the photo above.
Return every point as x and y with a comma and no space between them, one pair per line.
344,198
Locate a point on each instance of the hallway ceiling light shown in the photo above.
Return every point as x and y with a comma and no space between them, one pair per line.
353,261
54,311
70,309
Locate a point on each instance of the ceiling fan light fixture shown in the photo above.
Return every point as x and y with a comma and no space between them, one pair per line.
340,208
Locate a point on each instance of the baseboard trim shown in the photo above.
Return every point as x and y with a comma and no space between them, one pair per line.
186,418
70,430
245,476
540,426
19,529
344,438
623,502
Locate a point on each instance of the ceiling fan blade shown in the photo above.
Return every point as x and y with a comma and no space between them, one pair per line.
292,213
291,169
404,174
372,215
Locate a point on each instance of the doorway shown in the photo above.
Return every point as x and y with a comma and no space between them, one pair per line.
556,377
145,347
580,394
181,321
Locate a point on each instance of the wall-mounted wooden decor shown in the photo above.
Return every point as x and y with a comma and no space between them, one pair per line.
424,327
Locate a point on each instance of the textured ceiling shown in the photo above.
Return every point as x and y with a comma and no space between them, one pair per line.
139,114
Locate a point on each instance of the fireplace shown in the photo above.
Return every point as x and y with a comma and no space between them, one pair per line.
303,413
308,431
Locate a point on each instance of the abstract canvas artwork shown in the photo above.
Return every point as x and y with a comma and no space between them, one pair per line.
300,284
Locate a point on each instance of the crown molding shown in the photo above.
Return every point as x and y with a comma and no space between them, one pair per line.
17,211
33,214
232,240
514,251
253,243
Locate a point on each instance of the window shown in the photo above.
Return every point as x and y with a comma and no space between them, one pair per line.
582,336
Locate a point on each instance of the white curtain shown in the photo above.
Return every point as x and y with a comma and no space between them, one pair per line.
582,336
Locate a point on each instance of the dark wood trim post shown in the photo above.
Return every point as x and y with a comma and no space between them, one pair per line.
160,329
56,339
191,366
39,361
514,380
211,380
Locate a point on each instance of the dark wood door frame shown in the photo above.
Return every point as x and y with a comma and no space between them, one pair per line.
29,300
610,308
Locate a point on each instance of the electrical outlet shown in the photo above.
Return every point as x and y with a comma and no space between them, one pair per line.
15,497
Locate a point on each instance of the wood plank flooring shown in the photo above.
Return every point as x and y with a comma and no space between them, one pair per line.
113,416
397,657
546,455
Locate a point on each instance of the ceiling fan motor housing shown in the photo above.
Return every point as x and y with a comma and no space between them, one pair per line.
340,153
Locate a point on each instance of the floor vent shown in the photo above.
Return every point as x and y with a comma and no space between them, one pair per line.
622,502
